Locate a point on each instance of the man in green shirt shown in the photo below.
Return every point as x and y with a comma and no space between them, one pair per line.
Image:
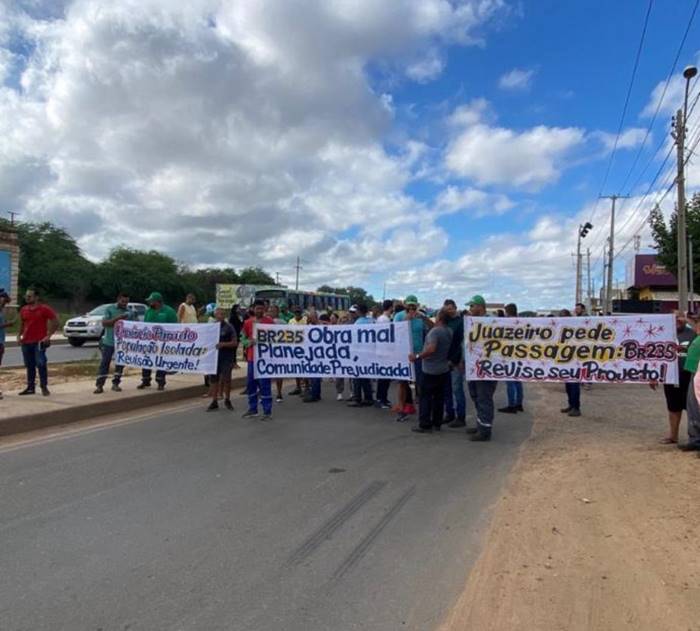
163,314
113,313
692,405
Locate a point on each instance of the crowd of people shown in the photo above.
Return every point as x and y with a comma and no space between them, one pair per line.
437,395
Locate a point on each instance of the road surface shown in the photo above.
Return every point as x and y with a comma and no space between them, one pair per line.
325,518
57,353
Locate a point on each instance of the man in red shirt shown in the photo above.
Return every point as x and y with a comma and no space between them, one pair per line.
37,323
263,385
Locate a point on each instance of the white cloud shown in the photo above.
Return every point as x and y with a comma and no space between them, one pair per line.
496,155
629,139
237,133
477,203
516,79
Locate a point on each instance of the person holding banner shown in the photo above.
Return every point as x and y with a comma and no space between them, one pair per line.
255,386
298,319
692,363
572,388
514,388
221,381
112,315
481,392
436,374
163,314
384,384
362,387
455,400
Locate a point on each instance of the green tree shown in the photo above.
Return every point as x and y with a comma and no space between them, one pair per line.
138,273
51,261
202,282
664,235
255,276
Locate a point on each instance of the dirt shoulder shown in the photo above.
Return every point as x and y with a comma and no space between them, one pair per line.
597,527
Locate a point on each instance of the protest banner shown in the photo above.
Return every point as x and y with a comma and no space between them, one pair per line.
619,349
228,295
371,351
169,347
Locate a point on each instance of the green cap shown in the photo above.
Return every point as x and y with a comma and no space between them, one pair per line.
155,296
477,300
410,300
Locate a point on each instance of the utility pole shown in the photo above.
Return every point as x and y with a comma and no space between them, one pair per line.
277,278
12,214
611,251
682,238
691,297
588,280
297,267
604,290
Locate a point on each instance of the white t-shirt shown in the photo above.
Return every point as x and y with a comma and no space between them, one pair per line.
383,318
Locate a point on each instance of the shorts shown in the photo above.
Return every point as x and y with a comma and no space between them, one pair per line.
677,395
223,369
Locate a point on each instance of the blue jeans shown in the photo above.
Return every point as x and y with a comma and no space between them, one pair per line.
515,393
34,357
103,372
482,393
315,388
455,400
255,385
573,393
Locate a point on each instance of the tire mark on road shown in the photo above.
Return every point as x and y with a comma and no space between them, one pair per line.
364,545
327,530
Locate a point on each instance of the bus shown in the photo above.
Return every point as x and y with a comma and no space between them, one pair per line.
245,295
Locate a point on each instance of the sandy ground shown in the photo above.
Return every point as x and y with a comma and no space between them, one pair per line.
598,527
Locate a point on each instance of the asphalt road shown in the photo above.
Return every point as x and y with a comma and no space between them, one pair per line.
324,518
57,353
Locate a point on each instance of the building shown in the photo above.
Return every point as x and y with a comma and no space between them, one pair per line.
651,288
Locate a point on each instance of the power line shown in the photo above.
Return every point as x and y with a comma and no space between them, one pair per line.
663,93
624,107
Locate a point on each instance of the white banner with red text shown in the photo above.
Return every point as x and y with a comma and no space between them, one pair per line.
370,351
606,349
169,347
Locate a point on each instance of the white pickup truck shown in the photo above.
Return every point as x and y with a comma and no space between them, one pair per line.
88,327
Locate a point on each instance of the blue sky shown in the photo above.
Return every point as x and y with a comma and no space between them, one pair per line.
444,148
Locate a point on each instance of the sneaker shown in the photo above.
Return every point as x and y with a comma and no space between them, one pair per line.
45,391
116,387
421,430
472,430
519,408
214,405
266,417
566,410
99,390
143,386
384,405
448,418
355,404
27,391
228,405
161,387
367,404
402,418
457,423
689,447
310,399
478,437
574,412
295,392
509,409
250,414
339,397
279,399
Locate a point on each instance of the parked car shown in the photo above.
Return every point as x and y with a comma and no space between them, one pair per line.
88,327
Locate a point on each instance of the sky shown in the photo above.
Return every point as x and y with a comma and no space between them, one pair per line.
437,147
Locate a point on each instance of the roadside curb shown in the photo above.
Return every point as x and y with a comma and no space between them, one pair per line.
39,420
54,342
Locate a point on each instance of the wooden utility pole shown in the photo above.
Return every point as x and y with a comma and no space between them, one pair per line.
611,251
